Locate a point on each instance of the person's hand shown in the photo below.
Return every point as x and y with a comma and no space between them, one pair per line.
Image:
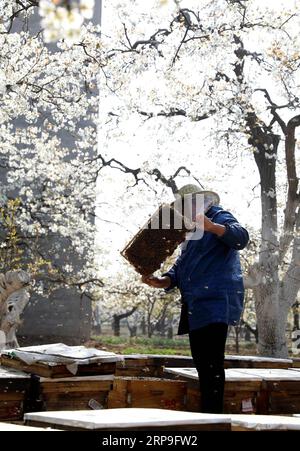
204,222
157,282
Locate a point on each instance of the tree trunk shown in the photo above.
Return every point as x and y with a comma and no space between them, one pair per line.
150,328
170,334
271,321
13,299
247,335
296,323
132,330
116,325
97,329
143,326
237,339
161,327
270,310
117,319
272,336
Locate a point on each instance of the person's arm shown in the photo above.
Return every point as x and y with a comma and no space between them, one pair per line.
227,228
168,280
157,282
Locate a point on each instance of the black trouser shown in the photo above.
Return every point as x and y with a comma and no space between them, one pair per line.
208,348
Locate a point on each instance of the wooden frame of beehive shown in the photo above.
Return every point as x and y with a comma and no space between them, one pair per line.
157,239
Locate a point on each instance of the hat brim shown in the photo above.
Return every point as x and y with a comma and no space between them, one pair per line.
215,196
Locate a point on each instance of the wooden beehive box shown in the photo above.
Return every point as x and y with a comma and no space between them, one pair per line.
138,366
264,423
58,370
296,362
150,365
156,240
14,386
75,393
241,393
281,389
134,419
249,361
59,360
147,392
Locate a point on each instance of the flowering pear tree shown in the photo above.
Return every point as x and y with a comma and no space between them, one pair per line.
49,94
234,66
45,93
125,298
229,66
14,297
62,19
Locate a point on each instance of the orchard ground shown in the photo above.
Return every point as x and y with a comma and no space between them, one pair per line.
160,345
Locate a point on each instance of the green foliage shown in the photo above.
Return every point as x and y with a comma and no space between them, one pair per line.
11,252
153,342
14,253
151,350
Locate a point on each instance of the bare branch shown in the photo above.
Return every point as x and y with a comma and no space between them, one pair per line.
177,112
273,108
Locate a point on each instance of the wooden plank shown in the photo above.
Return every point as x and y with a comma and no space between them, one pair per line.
130,419
139,367
12,396
13,388
240,392
75,402
152,365
264,423
104,368
75,393
271,374
11,410
233,401
284,403
79,386
56,370
281,387
217,426
233,361
12,375
44,370
249,360
20,427
231,375
147,392
58,360
296,362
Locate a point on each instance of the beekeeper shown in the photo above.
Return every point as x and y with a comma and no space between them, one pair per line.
209,276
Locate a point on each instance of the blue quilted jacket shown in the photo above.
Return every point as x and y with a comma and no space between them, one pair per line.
209,276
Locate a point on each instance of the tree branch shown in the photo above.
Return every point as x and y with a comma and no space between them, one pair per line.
273,108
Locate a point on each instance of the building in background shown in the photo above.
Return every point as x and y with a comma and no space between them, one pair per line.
66,315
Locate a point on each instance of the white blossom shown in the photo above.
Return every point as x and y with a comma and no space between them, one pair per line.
2,82
62,22
86,8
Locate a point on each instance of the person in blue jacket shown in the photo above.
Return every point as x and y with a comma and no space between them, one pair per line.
209,276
